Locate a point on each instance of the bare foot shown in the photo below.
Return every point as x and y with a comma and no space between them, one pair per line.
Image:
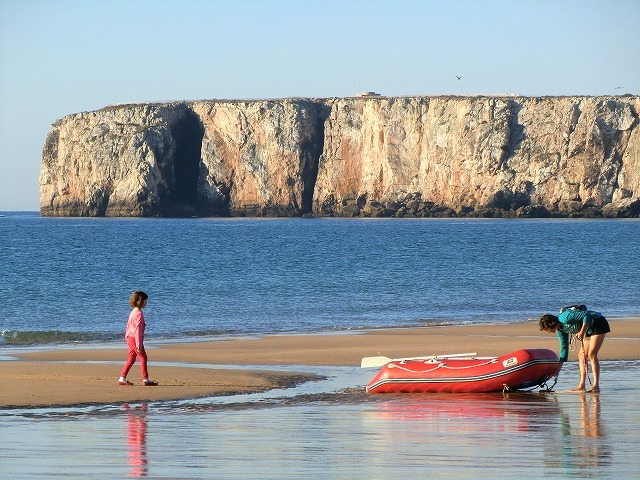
595,390
577,389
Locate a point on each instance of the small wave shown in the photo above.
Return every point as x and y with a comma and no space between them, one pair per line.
417,324
43,337
207,333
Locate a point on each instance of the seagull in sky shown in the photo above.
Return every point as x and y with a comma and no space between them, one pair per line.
458,77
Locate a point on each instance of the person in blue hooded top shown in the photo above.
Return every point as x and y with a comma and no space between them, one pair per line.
589,328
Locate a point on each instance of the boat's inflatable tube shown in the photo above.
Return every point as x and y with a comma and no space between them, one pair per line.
515,371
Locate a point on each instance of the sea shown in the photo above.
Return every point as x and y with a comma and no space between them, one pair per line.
69,280
66,282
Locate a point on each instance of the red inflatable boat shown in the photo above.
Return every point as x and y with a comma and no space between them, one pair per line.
464,374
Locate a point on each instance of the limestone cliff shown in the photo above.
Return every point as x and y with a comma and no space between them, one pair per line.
121,161
365,156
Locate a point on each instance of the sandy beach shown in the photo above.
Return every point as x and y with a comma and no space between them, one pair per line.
78,376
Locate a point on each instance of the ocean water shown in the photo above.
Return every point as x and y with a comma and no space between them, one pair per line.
69,279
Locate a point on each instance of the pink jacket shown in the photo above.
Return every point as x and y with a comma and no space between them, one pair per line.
135,327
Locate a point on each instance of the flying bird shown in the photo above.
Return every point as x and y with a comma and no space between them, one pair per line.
458,77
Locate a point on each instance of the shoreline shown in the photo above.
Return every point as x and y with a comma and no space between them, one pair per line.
88,376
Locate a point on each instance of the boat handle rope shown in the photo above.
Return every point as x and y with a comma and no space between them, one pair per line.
545,388
443,365
493,360
397,365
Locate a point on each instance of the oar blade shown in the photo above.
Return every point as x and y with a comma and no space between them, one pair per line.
368,362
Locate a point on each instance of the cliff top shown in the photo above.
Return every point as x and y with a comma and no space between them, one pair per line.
371,96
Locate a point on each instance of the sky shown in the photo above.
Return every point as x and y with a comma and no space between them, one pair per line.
59,57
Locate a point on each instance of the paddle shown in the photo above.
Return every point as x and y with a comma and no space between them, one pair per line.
380,361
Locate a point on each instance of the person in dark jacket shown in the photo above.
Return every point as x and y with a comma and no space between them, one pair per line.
589,328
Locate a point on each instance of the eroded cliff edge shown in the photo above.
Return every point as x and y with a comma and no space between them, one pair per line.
360,156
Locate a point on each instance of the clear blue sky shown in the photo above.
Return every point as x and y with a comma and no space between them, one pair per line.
59,57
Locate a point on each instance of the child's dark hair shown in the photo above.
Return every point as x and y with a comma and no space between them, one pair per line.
137,299
548,322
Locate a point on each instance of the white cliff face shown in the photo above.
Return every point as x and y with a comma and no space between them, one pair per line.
470,154
371,156
576,155
110,162
258,154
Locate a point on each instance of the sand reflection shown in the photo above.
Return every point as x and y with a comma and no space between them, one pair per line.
137,439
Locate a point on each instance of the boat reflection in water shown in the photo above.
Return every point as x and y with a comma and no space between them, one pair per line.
511,411
454,433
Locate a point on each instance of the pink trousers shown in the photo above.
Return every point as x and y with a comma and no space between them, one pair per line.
132,359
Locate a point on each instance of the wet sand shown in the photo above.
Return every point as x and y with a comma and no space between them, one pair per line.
78,376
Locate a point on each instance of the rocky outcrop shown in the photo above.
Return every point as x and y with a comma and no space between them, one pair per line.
202,158
139,160
259,158
361,156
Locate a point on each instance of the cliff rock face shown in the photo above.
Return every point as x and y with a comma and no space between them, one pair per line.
132,161
365,156
260,157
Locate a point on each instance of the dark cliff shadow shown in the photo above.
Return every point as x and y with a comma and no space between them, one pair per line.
187,133
516,132
310,153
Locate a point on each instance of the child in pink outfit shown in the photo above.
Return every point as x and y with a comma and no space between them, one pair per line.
134,336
